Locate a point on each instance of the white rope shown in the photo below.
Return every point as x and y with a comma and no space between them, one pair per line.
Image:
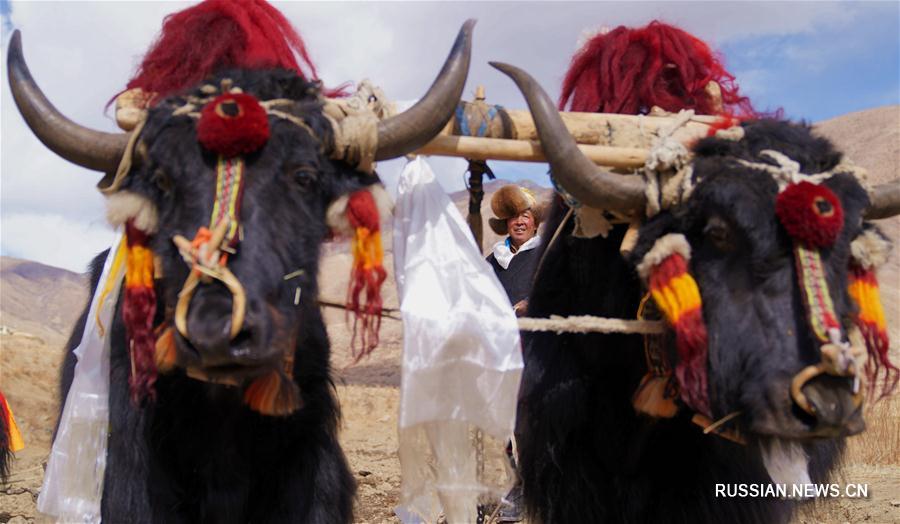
668,169
591,324
788,170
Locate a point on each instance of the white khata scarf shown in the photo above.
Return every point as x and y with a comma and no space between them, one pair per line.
504,254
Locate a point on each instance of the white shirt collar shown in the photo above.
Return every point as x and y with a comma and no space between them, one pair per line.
504,254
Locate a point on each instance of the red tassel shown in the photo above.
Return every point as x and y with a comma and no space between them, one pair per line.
368,273
138,312
690,340
678,297
863,288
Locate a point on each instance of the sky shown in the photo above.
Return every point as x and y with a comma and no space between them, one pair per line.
815,60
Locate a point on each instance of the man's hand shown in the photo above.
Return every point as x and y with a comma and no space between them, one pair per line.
521,307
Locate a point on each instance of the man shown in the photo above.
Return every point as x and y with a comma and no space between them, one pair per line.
515,258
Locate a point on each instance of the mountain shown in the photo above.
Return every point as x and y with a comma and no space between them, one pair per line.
40,300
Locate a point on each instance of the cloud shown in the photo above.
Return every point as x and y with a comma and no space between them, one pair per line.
53,240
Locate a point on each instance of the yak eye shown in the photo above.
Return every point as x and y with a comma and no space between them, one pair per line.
306,176
718,233
162,180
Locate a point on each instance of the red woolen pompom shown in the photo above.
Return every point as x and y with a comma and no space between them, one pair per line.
362,211
811,214
233,124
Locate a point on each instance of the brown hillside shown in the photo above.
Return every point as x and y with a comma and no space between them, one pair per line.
38,299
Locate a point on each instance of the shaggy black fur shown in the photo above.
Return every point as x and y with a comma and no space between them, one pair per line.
585,455
197,454
6,454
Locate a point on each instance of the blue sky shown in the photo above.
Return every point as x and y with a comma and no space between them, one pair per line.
849,64
817,60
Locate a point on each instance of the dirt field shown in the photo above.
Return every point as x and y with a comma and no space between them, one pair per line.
369,398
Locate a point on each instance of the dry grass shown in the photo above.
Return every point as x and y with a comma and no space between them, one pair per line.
880,443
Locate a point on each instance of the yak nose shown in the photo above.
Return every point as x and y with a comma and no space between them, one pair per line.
835,406
209,329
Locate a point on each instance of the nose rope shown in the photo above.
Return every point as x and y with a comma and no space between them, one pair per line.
207,254
812,216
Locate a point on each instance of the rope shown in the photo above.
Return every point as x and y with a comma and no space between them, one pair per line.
668,171
592,324
788,170
355,123
125,163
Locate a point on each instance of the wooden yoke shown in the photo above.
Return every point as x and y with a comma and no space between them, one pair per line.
613,140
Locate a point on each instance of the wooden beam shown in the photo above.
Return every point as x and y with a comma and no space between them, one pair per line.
526,151
603,129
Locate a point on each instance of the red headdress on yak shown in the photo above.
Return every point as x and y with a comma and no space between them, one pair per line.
216,35
631,70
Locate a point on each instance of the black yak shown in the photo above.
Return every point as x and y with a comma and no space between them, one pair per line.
750,355
196,452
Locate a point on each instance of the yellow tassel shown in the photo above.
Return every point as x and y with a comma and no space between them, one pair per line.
121,253
677,296
16,442
867,297
139,267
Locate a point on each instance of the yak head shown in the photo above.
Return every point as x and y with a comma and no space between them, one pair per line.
751,268
241,170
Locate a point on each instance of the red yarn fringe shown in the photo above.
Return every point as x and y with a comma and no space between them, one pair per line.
138,312
216,35
878,365
368,273
690,338
629,71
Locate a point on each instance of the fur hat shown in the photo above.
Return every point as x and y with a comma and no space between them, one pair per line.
508,202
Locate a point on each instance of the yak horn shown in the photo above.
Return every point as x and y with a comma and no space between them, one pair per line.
417,125
885,201
576,173
78,144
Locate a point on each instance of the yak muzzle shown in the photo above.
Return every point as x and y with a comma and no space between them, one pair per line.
836,409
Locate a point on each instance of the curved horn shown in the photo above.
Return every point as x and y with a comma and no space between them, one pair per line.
417,125
885,201
78,144
576,173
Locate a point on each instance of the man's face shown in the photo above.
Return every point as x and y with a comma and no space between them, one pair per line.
521,227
